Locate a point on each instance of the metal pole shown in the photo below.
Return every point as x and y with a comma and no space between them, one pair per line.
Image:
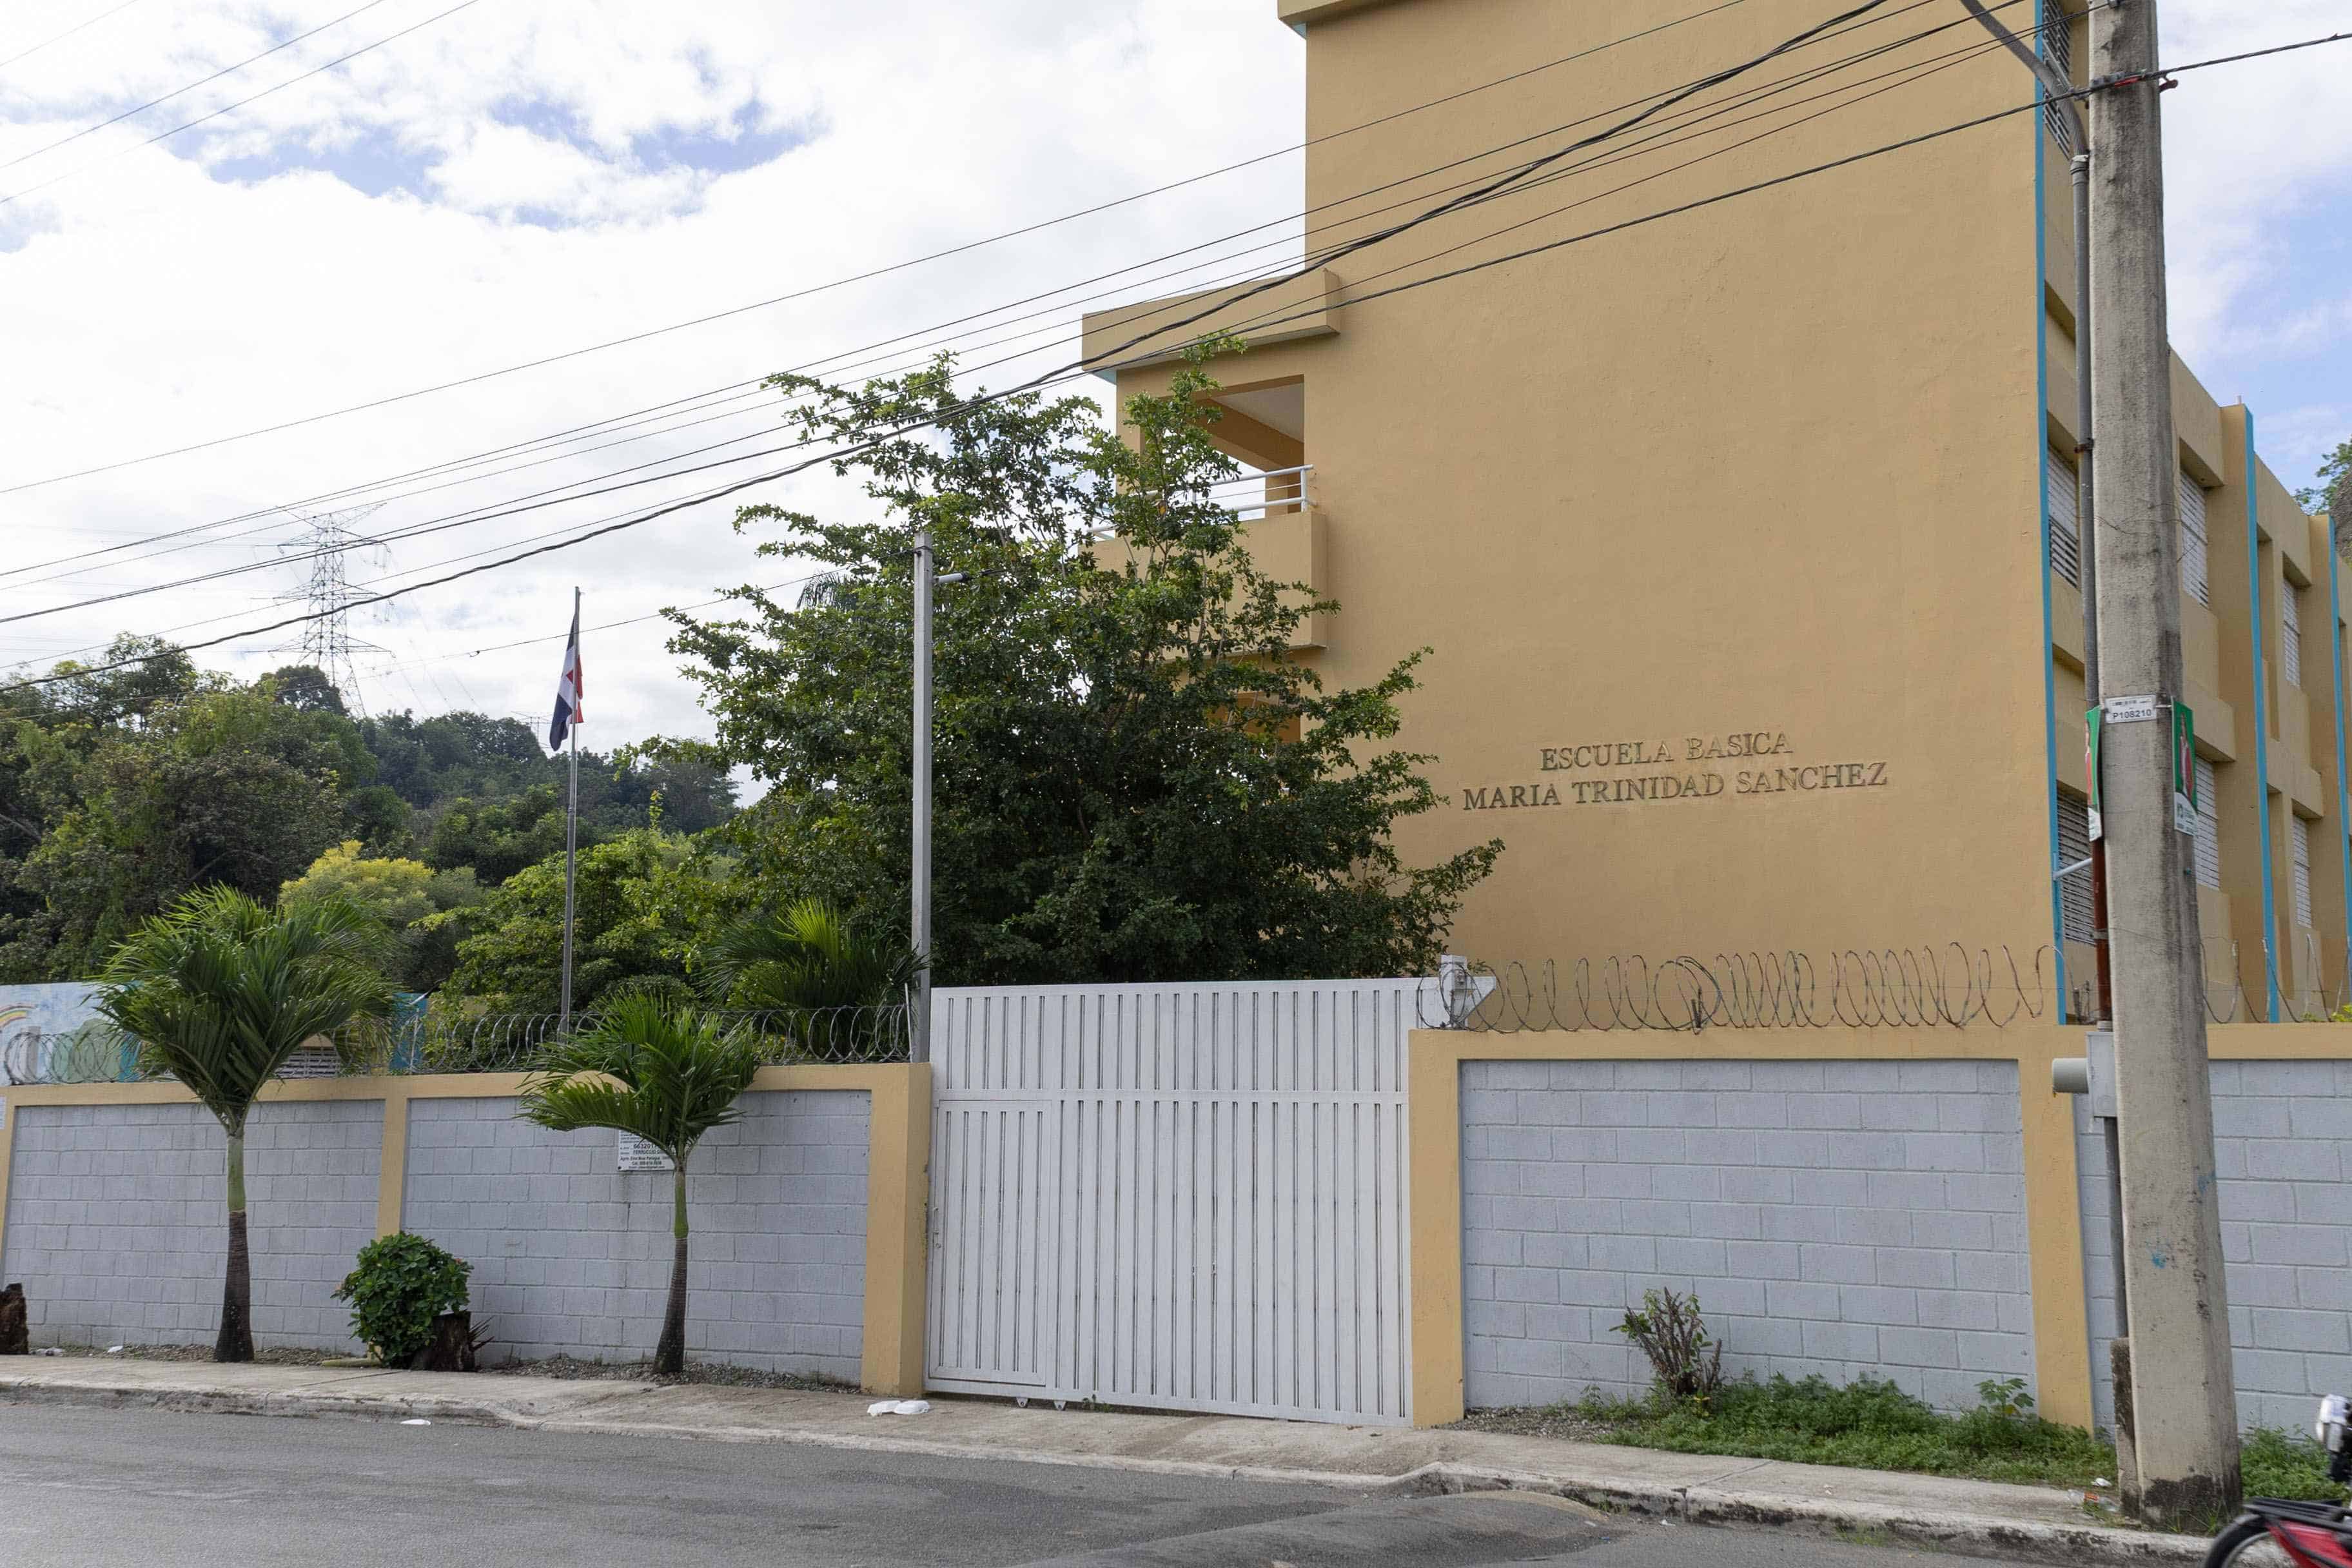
919,879
2183,1396
571,840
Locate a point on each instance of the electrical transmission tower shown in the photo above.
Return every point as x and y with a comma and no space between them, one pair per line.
326,545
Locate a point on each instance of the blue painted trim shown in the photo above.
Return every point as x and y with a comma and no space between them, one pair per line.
2042,482
2335,807
2261,729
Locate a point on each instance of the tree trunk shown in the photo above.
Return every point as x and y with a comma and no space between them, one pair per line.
15,1336
452,1346
236,1340
670,1356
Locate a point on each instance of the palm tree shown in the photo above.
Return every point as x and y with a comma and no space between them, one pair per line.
663,1072
810,964
219,991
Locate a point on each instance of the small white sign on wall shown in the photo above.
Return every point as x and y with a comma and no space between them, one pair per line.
636,1154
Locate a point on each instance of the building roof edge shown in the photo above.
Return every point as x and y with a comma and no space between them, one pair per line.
1299,14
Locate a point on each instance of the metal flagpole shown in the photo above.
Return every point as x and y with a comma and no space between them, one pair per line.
570,828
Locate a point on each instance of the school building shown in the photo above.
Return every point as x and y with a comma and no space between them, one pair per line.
1743,535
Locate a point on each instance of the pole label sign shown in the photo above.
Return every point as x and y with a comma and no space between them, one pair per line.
2131,710
2184,761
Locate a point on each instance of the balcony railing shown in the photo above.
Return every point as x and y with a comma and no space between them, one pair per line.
1274,493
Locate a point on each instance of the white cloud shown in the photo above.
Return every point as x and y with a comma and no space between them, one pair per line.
152,305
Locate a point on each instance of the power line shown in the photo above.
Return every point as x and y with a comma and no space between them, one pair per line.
469,518
180,91
859,277
1313,260
61,37
1082,367
240,103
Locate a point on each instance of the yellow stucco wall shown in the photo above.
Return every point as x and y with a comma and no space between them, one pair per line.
1766,469
1716,478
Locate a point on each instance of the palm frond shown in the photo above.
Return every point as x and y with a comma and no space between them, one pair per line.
805,957
649,1066
220,992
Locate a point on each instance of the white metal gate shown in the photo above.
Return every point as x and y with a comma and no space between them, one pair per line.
1189,1197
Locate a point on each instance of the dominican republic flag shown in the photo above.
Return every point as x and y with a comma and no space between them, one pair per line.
567,688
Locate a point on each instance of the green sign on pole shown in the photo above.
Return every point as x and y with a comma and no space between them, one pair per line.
2091,717
2184,770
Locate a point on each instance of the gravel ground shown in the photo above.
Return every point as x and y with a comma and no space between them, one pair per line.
1525,1421
700,1371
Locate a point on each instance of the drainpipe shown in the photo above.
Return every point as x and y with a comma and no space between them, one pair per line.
2061,91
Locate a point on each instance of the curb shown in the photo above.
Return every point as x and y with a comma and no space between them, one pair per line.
1963,1533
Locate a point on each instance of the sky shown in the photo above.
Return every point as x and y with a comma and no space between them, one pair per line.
516,179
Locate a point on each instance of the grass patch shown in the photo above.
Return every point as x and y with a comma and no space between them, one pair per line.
2286,1464
1868,1424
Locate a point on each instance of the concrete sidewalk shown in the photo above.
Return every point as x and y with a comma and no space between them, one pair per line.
1982,1517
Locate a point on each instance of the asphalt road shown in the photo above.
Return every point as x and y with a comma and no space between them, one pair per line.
98,1488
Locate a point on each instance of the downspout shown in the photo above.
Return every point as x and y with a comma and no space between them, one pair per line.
2261,729
2057,88
2042,493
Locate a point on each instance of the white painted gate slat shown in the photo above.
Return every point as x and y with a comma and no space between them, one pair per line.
1174,1196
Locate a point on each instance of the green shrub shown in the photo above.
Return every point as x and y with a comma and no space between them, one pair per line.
1868,1423
2286,1464
401,1284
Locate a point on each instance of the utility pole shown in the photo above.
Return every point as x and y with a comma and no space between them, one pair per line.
2183,1397
919,1003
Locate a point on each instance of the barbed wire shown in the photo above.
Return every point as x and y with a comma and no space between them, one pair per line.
97,1052
1949,985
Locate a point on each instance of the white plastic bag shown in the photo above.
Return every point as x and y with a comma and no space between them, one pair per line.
899,1408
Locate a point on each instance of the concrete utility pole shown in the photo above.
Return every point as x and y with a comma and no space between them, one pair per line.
2182,1394
919,1011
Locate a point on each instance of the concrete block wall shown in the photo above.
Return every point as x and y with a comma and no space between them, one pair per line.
118,1223
1842,1218
2279,1131
572,1256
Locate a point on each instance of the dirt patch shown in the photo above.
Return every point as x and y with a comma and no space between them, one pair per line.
710,1373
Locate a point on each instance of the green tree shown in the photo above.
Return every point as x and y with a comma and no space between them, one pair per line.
641,902
1136,777
219,991
141,789
400,893
2333,492
663,1072
439,763
499,837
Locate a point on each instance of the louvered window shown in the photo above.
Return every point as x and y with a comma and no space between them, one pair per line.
2075,886
2298,837
2208,827
2291,631
2065,534
2058,49
2192,541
